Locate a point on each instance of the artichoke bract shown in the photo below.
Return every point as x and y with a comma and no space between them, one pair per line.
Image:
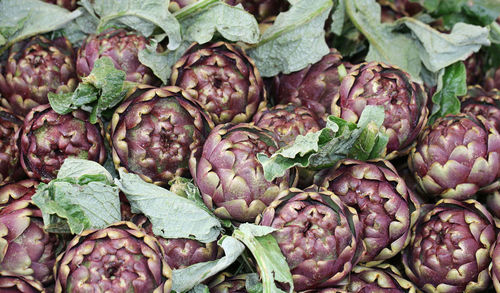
47,139
33,69
383,278
386,207
223,79
379,84
288,121
9,153
495,264
313,87
226,283
449,249
19,284
229,176
123,48
68,4
492,80
21,190
261,9
318,235
26,249
481,102
154,133
456,157
118,259
181,253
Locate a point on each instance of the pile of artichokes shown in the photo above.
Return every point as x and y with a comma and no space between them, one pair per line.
200,103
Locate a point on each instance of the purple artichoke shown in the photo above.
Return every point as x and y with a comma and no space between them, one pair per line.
226,283
25,248
176,5
19,284
223,79
395,9
123,48
10,168
456,157
230,177
386,207
474,66
118,259
404,102
495,264
181,253
318,235
47,139
68,4
154,133
288,121
22,190
261,9
313,87
484,103
492,79
33,69
449,249
383,278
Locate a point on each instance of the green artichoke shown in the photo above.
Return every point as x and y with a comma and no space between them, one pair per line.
226,283
288,121
123,48
181,253
261,9
229,176
118,259
383,278
404,102
494,268
318,235
33,69
313,87
47,139
386,207
10,168
154,133
450,246
223,79
456,157
19,284
25,248
68,4
21,190
484,103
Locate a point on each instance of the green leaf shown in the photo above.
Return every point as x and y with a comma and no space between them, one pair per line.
451,85
338,140
199,22
172,216
21,19
187,278
142,16
80,198
265,249
299,35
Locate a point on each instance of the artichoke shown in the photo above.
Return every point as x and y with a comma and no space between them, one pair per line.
474,66
118,259
318,235
155,132
404,102
395,9
223,79
261,9
181,253
25,248
19,284
10,168
492,79
229,176
47,139
22,190
383,278
176,5
484,103
386,207
288,121
313,87
456,157
33,69
226,283
68,4
449,249
495,264
123,48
